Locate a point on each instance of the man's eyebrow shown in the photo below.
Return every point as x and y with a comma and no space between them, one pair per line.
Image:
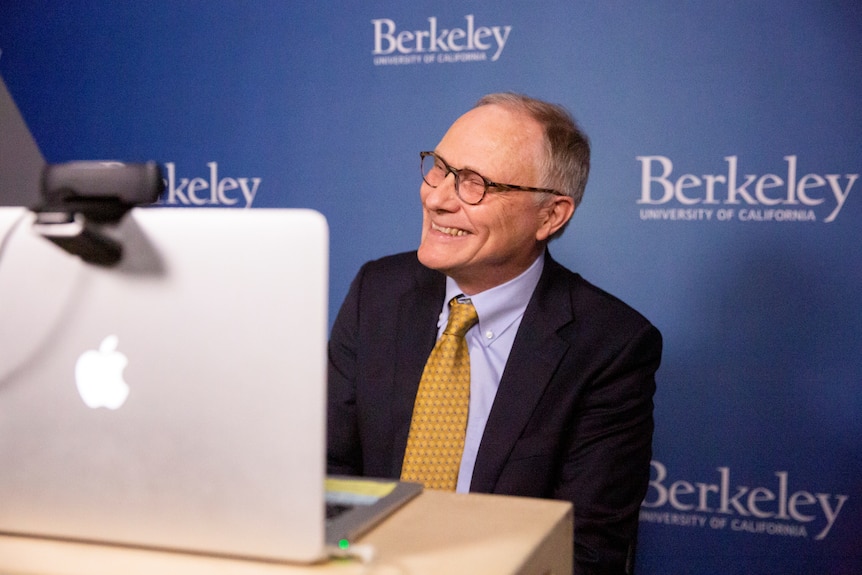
474,170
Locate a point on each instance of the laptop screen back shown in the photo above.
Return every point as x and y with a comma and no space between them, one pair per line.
176,400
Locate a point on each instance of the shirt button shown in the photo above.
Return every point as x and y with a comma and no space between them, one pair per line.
489,334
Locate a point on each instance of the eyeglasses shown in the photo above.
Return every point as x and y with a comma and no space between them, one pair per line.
470,186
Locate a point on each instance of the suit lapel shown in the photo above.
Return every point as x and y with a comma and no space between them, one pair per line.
418,311
535,355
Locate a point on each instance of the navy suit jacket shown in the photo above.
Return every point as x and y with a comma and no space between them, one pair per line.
572,418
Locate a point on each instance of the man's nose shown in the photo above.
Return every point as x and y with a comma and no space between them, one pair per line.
442,197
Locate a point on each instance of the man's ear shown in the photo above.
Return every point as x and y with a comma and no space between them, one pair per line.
554,216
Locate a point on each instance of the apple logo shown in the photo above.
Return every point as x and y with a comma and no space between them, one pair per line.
99,375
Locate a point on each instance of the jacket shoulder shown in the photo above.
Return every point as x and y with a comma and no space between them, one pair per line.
393,263
395,275
593,305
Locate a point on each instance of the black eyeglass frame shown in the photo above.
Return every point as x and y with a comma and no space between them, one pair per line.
488,183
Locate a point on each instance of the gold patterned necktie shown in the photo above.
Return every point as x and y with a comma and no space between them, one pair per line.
439,424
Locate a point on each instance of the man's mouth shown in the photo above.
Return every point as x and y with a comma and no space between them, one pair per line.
454,232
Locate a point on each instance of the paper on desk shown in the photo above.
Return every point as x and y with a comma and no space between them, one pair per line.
356,491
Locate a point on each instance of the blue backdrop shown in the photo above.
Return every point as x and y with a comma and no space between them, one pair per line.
724,201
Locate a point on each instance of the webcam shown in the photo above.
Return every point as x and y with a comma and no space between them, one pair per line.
79,199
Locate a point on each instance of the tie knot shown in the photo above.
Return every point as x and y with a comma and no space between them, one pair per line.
462,316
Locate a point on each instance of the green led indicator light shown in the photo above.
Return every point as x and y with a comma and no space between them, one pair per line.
343,544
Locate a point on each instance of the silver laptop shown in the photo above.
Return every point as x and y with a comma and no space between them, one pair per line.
176,400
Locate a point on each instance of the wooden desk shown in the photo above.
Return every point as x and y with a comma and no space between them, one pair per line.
437,533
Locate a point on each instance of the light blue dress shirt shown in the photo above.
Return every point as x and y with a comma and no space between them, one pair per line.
500,311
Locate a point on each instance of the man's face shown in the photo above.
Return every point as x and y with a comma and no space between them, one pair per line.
484,245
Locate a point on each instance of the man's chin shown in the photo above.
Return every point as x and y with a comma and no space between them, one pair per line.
433,259
425,259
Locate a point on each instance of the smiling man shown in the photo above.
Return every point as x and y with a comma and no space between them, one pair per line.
478,363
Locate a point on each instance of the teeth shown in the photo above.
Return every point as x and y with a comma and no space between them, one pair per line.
449,231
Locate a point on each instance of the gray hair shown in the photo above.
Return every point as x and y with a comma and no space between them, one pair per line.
566,167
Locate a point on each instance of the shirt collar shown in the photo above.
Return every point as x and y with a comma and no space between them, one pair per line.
499,307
